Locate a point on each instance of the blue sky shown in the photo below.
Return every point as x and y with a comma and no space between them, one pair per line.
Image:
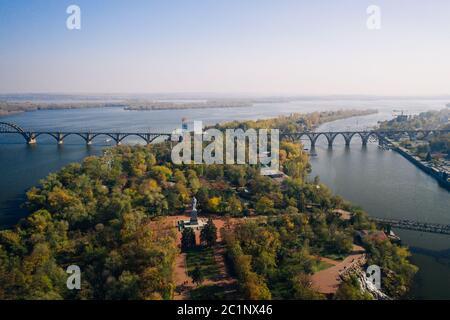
226,46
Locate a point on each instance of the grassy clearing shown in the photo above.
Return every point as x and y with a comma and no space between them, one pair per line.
335,256
321,265
204,258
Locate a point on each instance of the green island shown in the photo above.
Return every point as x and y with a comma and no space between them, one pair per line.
116,218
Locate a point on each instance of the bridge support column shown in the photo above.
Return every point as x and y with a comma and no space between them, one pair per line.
313,138
89,139
60,139
31,139
348,138
330,137
147,139
118,140
364,138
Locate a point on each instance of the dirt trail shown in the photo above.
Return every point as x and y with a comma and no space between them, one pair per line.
327,281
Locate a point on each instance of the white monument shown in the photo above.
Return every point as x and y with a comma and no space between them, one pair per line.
194,221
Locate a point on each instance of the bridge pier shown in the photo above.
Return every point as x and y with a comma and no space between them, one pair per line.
313,138
330,138
148,139
118,139
364,138
31,138
89,137
348,138
60,139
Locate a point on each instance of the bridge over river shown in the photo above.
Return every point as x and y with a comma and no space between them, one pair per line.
31,136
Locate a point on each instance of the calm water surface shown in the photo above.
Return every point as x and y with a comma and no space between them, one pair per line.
380,181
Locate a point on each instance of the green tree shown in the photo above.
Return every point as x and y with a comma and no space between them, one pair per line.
197,275
208,234
264,205
188,238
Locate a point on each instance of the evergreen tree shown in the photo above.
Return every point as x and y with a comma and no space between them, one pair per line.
208,234
188,238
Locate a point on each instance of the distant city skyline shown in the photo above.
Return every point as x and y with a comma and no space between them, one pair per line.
223,47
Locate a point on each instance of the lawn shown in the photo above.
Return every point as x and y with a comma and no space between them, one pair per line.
321,265
335,256
204,258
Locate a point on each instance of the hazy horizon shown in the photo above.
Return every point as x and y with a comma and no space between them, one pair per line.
226,47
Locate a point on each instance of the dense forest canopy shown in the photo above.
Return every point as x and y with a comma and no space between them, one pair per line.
106,215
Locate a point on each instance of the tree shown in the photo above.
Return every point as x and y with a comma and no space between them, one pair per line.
188,238
234,206
264,206
214,204
208,234
161,173
197,275
350,289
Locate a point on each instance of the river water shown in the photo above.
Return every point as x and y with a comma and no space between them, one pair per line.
380,181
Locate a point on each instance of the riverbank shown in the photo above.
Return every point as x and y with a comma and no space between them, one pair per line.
441,176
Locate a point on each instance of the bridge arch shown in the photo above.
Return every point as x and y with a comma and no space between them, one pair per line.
90,137
348,136
54,135
139,135
6,127
83,136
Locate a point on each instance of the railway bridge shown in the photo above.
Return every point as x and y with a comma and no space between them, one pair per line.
31,136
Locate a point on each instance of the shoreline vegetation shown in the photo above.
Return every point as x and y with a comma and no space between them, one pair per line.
10,105
297,122
159,105
112,215
19,103
10,108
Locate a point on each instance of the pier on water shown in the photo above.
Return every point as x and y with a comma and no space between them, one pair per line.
415,225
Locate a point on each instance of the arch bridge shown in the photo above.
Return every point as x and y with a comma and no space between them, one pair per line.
313,136
365,136
88,137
